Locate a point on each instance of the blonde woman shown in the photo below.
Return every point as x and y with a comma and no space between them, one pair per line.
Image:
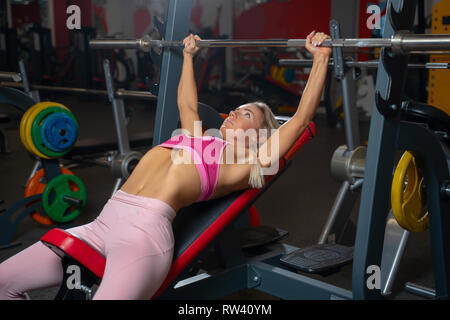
134,229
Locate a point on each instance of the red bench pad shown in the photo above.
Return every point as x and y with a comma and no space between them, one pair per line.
194,226
197,225
64,243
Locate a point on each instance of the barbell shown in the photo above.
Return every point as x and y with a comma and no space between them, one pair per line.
14,76
399,43
361,64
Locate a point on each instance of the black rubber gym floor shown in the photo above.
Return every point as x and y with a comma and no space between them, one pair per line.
298,202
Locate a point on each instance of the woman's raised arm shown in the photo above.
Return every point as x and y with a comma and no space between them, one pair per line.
291,130
187,88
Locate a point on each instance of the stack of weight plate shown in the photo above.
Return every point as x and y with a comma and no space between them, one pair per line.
49,130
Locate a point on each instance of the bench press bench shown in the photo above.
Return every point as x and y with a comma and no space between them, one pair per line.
195,228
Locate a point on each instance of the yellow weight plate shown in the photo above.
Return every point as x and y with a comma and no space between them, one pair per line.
413,205
22,126
26,129
25,118
28,121
407,201
22,122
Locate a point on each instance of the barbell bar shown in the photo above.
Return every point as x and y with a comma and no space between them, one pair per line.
400,43
360,64
11,76
120,93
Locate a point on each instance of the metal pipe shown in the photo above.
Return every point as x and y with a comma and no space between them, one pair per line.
230,43
357,184
145,43
72,200
24,76
360,64
250,43
117,185
394,244
403,43
57,89
130,94
420,290
334,214
98,162
351,124
445,190
37,165
34,94
118,112
400,42
14,76
120,93
120,43
425,52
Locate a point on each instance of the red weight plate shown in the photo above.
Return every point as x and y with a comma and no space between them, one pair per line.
35,186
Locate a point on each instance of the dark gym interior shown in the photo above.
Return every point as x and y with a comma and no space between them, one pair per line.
300,200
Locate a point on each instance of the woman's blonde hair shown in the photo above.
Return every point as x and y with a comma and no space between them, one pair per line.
269,122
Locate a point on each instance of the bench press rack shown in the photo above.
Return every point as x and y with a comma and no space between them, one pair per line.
214,220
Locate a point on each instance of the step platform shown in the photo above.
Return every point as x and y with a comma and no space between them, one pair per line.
323,259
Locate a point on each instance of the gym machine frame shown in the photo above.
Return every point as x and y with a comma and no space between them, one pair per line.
387,133
349,165
348,192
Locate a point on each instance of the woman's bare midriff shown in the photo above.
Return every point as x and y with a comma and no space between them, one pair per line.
157,176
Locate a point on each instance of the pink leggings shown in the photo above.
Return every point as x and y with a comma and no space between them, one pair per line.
134,233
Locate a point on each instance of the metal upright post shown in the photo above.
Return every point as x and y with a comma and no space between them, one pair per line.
351,123
34,94
119,120
333,231
118,111
177,27
346,198
378,173
395,241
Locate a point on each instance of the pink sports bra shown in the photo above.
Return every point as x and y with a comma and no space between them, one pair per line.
206,151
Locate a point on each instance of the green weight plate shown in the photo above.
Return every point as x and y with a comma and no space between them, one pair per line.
53,202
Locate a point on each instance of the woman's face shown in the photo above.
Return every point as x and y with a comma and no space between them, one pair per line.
244,117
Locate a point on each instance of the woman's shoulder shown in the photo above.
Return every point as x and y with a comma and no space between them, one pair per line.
234,173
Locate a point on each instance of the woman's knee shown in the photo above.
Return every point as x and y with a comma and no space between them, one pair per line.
33,268
8,290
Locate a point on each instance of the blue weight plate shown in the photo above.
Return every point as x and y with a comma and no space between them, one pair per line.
59,132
